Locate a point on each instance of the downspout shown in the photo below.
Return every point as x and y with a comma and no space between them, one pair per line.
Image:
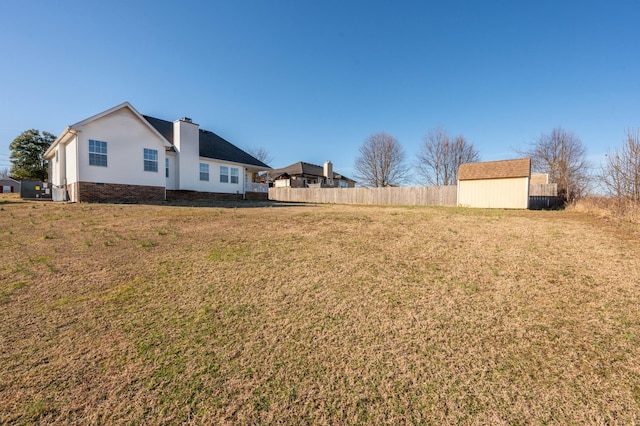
244,183
77,200
76,193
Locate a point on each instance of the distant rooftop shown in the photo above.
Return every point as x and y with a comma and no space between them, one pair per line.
303,168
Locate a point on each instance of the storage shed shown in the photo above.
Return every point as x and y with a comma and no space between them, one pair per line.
9,185
495,184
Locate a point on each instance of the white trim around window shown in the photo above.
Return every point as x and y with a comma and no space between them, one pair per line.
150,160
204,171
97,153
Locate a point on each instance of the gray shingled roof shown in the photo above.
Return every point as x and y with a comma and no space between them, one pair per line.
302,168
211,145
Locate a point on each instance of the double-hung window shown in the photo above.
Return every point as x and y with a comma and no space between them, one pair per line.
234,175
204,171
224,174
97,153
150,160
166,167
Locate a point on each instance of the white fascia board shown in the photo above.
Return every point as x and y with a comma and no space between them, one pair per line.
64,137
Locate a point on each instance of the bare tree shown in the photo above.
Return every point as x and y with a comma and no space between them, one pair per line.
381,162
563,156
621,171
4,173
440,156
261,154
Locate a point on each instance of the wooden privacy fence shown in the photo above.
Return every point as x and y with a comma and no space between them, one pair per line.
401,196
541,196
543,190
544,196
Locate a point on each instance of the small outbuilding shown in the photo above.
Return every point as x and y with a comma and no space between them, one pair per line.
495,184
9,185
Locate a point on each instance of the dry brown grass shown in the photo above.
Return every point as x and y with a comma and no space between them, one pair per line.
315,314
609,208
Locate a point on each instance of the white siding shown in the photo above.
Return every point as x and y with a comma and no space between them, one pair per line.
186,139
63,163
71,161
510,193
126,139
172,179
57,166
214,184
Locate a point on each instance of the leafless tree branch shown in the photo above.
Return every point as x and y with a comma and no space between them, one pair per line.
621,171
563,156
440,156
381,162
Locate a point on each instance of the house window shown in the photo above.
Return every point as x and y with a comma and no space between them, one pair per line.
234,175
97,153
204,171
166,167
150,160
224,174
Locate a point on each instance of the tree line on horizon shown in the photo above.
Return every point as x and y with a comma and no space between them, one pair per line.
561,154
382,161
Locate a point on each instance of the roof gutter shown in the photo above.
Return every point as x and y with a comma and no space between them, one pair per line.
65,136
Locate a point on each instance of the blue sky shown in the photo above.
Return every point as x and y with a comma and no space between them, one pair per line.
310,80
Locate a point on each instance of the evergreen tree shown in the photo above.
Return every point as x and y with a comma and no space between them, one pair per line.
27,151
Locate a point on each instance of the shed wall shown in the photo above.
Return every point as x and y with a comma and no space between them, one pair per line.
512,193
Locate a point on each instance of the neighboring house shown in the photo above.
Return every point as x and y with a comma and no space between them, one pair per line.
121,155
9,185
495,184
305,175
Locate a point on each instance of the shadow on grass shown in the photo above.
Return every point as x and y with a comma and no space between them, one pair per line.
10,198
236,204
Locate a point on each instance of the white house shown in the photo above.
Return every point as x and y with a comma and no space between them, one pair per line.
305,175
121,155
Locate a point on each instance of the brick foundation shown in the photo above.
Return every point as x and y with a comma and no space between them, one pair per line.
90,192
116,193
182,195
257,196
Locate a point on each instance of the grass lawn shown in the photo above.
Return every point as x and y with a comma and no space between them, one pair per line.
316,314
